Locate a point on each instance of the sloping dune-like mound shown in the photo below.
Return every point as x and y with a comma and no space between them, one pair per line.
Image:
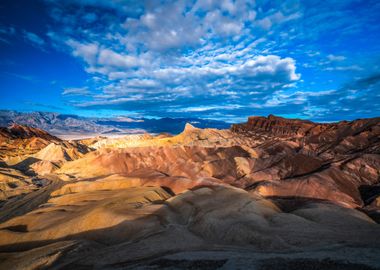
51,157
126,225
189,161
13,183
59,152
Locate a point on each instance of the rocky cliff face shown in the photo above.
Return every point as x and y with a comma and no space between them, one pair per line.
275,126
332,141
346,156
283,127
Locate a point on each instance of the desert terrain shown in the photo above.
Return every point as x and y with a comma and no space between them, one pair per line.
271,193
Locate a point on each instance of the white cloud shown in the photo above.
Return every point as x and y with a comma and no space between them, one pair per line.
76,91
110,58
113,101
141,83
272,66
87,51
207,108
229,6
297,98
265,23
277,18
345,68
230,28
165,28
337,58
149,20
222,25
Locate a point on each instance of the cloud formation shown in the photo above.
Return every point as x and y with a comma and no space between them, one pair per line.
209,58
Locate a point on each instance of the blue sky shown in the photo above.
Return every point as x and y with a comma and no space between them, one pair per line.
203,58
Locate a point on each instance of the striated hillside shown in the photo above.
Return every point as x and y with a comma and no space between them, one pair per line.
302,157
17,140
16,131
271,189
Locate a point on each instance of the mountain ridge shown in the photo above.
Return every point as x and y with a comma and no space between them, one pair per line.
62,124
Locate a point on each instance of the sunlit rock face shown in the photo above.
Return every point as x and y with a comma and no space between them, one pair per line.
302,192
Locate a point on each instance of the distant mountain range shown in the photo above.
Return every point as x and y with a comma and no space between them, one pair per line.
63,124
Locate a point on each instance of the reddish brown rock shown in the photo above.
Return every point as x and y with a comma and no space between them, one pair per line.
18,140
301,158
16,131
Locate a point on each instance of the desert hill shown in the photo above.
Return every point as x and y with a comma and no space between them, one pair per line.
16,131
17,140
271,189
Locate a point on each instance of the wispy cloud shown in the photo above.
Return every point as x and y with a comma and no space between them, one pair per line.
82,91
34,39
337,58
345,68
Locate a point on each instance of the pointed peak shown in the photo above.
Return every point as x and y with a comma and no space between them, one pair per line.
189,126
14,124
272,117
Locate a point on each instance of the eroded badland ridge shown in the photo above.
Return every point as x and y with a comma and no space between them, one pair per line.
266,194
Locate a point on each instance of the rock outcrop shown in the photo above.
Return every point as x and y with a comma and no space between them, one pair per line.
16,131
17,141
301,158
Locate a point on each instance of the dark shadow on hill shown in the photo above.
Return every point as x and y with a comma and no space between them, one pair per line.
310,264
